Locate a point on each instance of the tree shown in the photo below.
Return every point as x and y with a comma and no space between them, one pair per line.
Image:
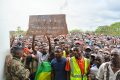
113,29
19,30
75,30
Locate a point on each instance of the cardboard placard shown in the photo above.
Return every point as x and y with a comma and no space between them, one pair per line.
47,25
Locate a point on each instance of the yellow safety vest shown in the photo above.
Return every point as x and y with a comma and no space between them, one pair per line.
75,70
64,54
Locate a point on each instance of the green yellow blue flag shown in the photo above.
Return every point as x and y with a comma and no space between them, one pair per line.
44,71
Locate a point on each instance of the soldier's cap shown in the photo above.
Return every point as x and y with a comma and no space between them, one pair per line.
16,48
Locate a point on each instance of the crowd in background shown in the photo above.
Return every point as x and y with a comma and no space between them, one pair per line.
97,49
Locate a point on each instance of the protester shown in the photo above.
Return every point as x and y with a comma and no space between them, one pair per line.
87,52
94,67
66,51
81,55
58,66
109,70
78,66
106,56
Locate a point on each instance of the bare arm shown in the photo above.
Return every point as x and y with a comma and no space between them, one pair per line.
52,75
33,46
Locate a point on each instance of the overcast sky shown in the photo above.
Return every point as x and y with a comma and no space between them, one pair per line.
80,14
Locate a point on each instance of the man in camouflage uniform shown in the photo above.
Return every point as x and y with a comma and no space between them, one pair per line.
15,69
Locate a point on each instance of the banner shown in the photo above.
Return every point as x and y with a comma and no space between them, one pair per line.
47,25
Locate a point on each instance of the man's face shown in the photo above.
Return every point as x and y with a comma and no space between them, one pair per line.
40,49
77,53
115,57
66,48
100,52
63,45
58,54
106,54
36,48
19,53
96,50
44,51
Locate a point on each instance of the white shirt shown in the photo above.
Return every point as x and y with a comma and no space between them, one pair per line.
116,74
42,57
101,75
93,70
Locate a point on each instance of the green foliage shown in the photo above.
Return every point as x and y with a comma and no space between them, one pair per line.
18,32
113,29
75,31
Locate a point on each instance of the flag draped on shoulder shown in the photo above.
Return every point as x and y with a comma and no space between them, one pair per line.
44,71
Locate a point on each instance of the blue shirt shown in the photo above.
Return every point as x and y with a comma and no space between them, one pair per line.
59,69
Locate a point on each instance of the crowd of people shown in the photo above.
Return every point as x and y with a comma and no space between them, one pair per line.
76,56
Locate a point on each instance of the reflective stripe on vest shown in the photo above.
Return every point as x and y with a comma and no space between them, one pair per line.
75,70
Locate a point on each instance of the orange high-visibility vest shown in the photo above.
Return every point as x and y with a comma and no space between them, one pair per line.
75,69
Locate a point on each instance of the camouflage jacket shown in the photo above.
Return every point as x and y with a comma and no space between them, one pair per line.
15,70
